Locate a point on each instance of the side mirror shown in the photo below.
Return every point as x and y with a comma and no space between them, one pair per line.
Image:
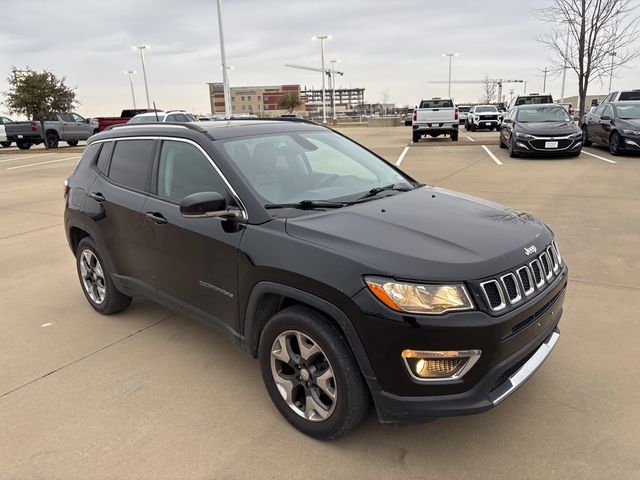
605,118
206,204
507,120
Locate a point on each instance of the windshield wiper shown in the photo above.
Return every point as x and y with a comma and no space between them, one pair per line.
375,191
307,204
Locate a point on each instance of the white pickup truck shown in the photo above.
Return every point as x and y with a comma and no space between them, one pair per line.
435,116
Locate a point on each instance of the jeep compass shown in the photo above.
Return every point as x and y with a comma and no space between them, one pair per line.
351,283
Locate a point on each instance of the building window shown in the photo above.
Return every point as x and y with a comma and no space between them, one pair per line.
258,97
233,99
249,98
244,107
242,98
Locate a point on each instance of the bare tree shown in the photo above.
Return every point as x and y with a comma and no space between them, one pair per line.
488,90
584,35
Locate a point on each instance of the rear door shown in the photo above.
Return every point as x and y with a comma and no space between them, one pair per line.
116,200
191,260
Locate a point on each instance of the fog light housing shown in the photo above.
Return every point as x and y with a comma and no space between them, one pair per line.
434,366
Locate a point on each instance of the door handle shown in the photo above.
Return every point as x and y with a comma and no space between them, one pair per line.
97,196
156,218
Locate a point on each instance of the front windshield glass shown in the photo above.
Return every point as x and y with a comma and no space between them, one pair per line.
551,113
628,112
293,167
487,109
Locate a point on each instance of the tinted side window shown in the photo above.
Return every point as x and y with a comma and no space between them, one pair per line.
184,170
131,163
103,159
633,95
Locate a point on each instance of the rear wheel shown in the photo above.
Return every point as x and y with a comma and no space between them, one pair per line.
24,145
95,280
502,145
72,143
585,137
454,136
311,375
52,140
416,137
5,144
615,144
473,127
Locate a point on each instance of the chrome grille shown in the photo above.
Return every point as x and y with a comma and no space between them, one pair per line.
514,287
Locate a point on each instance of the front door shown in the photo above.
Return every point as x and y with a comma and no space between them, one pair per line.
192,260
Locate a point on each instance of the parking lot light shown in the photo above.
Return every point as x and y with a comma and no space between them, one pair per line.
322,38
131,73
450,55
142,48
613,56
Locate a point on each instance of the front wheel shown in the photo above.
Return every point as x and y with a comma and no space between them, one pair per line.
615,147
96,282
585,137
502,145
72,143
5,144
454,136
52,140
311,375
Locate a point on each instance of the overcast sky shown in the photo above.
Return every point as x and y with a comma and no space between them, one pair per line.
391,48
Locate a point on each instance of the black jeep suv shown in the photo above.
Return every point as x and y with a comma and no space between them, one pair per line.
351,282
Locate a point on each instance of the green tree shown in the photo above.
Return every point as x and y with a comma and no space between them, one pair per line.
38,95
289,101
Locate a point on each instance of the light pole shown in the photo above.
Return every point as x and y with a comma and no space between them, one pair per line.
613,56
142,48
225,70
333,86
229,68
322,38
450,55
566,55
131,73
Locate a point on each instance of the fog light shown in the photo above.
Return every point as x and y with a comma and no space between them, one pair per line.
439,365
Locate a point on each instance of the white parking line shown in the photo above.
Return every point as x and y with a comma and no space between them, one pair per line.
401,157
473,140
598,157
493,157
43,163
20,157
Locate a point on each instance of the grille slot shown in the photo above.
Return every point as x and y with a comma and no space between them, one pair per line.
537,273
554,258
512,288
546,265
493,294
526,280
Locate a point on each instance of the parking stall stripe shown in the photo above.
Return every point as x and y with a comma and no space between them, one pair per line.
472,139
401,157
43,163
598,157
20,157
493,157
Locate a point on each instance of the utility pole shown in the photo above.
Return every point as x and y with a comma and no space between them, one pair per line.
142,48
225,70
322,38
333,86
613,56
450,55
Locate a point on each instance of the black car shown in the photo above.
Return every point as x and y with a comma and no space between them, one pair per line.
615,125
352,283
540,130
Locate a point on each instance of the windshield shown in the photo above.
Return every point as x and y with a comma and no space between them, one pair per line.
551,113
293,167
439,103
628,112
632,95
487,109
534,100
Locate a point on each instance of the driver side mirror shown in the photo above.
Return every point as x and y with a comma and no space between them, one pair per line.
507,120
605,118
207,204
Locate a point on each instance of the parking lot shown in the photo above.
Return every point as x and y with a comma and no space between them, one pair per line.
150,394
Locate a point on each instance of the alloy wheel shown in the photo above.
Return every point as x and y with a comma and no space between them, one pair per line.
303,375
92,274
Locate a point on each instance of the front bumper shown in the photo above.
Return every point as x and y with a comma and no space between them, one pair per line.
507,361
631,142
548,145
480,124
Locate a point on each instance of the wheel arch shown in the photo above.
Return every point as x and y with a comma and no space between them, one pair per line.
268,298
52,130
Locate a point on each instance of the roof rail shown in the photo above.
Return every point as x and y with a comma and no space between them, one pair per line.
156,124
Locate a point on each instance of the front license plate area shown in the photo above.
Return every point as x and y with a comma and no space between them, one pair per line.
550,144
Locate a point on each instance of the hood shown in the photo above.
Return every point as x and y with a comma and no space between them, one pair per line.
428,234
555,129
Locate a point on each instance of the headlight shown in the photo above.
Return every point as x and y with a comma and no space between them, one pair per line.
523,136
626,131
420,298
576,135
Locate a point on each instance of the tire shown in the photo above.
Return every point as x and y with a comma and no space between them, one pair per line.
512,146
416,137
454,136
467,128
585,137
473,127
52,139
95,280
23,145
502,145
5,144
344,401
615,144
72,143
